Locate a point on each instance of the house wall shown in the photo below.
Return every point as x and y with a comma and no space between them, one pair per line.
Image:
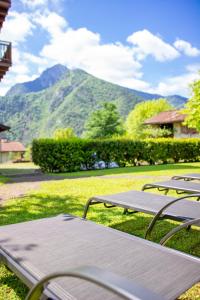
180,132
9,156
4,157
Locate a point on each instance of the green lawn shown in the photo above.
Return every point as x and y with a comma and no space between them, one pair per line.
10,168
3,180
155,170
69,195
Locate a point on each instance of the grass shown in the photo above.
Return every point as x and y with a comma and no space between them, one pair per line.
10,168
3,180
69,195
154,170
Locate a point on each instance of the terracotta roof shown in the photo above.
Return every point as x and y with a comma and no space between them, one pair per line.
3,127
6,146
166,117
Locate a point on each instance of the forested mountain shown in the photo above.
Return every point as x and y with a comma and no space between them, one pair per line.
64,98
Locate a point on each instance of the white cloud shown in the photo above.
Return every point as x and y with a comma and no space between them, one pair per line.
82,49
53,23
193,67
148,44
30,58
36,3
22,68
136,84
17,27
177,84
186,48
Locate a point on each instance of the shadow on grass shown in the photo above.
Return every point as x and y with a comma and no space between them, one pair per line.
185,241
29,175
33,178
41,206
37,206
3,180
137,224
16,171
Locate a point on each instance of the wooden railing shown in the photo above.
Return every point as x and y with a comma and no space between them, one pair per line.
5,57
4,7
5,47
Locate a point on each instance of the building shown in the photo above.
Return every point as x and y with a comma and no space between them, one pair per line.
5,63
5,47
172,120
10,151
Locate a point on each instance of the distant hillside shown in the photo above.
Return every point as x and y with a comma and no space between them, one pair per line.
48,78
64,98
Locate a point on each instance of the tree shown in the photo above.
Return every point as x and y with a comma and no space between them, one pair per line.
64,133
192,107
135,121
104,123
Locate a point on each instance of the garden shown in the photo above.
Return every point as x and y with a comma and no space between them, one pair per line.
68,193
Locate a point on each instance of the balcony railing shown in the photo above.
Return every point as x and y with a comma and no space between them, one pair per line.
4,7
5,57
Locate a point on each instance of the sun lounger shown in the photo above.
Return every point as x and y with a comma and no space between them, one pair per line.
188,177
179,209
110,281
177,185
37,248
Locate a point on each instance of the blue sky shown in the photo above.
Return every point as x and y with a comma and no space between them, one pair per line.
153,46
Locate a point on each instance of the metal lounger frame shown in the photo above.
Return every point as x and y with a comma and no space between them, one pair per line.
158,216
118,285
165,188
186,177
11,260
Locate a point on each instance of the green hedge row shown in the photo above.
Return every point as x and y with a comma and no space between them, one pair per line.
76,154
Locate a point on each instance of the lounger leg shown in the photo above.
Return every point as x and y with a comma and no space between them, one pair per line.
166,191
179,193
163,190
188,228
91,201
127,212
151,225
147,187
109,206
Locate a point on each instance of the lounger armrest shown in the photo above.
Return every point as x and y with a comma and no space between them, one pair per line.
170,234
110,281
160,212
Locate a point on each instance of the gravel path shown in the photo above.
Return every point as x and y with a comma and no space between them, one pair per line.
20,185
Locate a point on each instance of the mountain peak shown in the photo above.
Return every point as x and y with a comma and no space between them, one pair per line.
58,68
48,78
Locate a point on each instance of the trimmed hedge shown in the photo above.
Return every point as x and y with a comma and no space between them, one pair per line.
76,154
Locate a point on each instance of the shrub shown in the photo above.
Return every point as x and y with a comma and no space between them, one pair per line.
67,155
